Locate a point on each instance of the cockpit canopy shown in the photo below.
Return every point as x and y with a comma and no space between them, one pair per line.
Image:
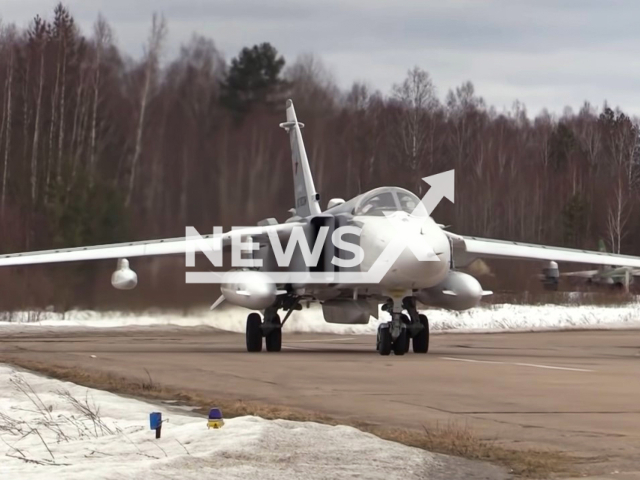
388,199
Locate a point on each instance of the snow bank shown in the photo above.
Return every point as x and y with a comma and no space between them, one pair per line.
486,318
42,435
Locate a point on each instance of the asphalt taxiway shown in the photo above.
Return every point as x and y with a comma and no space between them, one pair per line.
575,391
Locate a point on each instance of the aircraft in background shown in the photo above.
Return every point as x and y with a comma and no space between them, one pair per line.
406,281
604,275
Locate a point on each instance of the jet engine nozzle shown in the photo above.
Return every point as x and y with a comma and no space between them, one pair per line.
124,278
249,289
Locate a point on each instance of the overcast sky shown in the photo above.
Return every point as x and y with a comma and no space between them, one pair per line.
545,53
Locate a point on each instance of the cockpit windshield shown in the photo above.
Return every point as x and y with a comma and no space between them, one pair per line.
377,205
408,202
389,199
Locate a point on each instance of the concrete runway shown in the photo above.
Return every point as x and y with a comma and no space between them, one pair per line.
576,391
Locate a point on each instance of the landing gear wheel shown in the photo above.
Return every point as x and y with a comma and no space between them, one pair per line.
384,340
400,343
254,333
421,340
274,339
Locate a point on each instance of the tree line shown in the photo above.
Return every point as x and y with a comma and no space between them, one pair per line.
97,147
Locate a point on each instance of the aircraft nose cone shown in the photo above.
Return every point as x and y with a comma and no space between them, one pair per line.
425,260
438,241
417,237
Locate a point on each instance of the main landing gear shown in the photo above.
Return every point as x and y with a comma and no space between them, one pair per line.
270,329
397,334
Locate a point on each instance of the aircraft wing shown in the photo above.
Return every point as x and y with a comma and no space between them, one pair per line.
467,249
167,246
608,273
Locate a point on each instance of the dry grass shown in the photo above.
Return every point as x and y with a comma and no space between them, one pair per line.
450,439
459,440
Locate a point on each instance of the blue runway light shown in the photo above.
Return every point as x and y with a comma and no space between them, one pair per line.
215,418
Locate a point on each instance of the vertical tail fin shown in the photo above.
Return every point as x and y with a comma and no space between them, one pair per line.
305,192
601,246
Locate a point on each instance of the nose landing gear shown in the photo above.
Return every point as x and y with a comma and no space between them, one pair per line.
398,334
386,342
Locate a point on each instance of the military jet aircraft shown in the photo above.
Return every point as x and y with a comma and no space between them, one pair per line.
603,276
347,294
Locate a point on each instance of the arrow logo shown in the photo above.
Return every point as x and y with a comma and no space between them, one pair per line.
442,185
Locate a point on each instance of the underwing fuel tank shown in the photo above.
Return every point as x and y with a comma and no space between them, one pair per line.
458,291
249,289
124,278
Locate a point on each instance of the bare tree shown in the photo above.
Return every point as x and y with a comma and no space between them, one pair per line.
618,215
79,121
102,37
152,54
462,105
38,37
6,87
312,83
415,127
8,95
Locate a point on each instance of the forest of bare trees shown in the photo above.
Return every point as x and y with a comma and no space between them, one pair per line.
96,147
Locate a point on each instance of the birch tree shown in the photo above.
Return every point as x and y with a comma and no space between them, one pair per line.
102,37
415,127
38,38
8,96
152,56
618,215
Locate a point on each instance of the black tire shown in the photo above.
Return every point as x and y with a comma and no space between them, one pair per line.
254,333
384,341
421,340
400,343
273,340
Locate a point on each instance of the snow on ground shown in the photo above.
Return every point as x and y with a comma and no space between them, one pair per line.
42,435
486,318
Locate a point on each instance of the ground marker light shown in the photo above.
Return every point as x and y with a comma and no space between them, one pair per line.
215,418
155,422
